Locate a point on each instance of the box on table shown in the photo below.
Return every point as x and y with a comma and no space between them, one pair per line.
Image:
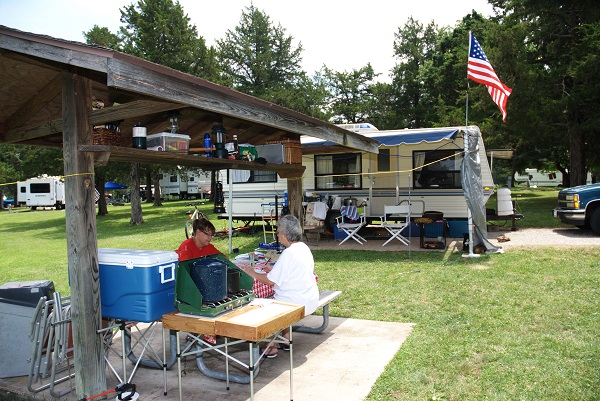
136,284
168,142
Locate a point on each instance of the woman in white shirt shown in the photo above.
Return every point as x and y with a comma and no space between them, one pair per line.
292,276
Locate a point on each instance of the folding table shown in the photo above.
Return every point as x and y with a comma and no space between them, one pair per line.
256,322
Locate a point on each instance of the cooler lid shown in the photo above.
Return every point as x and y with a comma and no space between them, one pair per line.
135,257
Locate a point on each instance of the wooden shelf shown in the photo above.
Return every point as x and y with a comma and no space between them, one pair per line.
105,153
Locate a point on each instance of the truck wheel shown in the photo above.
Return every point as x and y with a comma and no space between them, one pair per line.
595,221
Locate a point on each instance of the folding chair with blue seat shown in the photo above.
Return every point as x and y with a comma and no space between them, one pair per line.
350,222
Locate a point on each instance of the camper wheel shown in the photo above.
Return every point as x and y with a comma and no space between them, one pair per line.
330,220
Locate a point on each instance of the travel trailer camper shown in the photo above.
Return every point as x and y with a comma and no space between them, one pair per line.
42,191
185,185
413,164
537,178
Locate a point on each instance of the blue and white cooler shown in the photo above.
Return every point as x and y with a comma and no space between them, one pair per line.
135,284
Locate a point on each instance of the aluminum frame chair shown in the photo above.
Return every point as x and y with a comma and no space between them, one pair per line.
351,226
395,228
405,210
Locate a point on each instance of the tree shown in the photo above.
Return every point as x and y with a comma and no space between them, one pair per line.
350,95
563,44
102,36
258,58
136,203
160,31
413,77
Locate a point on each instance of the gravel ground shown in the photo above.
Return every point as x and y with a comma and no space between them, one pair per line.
554,237
521,238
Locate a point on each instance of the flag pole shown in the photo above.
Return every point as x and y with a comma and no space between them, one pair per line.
466,146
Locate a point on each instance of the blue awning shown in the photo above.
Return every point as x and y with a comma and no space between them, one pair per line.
415,137
394,138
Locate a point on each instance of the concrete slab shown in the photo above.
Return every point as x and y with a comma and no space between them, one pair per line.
342,363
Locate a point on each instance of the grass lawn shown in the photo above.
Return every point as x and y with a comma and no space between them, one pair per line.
519,326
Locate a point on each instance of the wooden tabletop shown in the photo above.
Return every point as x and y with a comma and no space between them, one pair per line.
251,322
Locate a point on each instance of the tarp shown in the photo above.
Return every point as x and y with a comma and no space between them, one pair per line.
473,188
395,138
114,185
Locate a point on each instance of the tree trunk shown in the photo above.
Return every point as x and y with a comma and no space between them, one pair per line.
82,245
577,157
136,204
102,208
149,172
157,201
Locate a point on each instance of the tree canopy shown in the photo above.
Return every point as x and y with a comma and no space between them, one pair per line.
547,51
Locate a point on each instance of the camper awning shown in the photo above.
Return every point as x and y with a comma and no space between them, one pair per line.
393,138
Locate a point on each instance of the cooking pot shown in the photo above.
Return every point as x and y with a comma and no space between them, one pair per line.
350,202
233,281
210,276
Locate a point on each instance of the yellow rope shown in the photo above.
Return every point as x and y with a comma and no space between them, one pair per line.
59,176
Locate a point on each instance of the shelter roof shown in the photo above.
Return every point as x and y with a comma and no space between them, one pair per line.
136,91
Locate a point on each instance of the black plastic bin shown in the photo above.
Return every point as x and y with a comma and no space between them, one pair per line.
18,301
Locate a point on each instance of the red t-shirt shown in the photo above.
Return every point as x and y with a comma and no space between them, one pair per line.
189,250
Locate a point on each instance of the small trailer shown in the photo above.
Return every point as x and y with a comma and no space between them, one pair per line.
42,191
185,185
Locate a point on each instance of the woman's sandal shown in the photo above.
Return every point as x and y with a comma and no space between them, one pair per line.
268,353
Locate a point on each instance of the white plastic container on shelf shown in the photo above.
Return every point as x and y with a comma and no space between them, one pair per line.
168,142
505,205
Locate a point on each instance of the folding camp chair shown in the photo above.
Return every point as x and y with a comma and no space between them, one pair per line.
396,219
390,222
314,219
350,222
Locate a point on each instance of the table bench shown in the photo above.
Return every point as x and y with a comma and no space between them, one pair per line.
325,298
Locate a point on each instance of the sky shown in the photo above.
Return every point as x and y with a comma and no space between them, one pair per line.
342,34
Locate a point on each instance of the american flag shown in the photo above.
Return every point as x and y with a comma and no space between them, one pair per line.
480,70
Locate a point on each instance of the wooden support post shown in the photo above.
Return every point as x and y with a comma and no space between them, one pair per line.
294,188
82,245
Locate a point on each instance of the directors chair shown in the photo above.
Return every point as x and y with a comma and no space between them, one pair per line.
397,218
350,222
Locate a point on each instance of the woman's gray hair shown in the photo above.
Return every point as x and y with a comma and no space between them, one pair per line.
289,227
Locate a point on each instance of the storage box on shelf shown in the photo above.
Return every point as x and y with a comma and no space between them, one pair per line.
168,142
135,284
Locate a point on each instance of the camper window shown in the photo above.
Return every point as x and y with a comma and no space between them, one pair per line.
383,160
437,169
338,171
247,176
43,188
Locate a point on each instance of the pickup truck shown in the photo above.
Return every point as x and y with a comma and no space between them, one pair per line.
580,206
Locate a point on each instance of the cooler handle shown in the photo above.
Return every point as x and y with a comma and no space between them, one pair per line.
162,269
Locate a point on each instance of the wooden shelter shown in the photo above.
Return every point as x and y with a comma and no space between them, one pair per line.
47,89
